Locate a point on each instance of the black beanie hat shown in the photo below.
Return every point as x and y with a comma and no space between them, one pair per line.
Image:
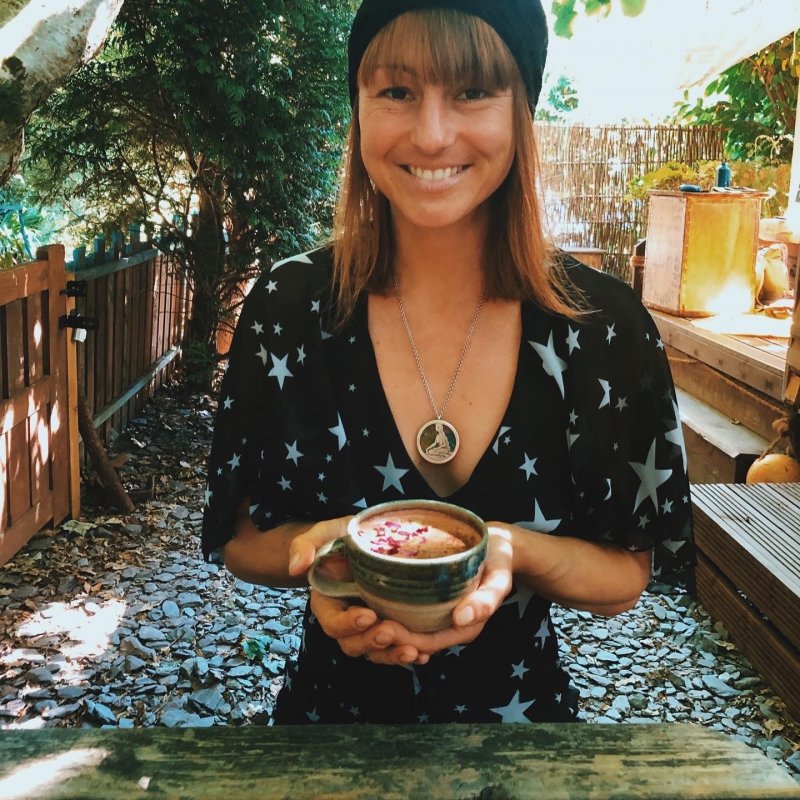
521,24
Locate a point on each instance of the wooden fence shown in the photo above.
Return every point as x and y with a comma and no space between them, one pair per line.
39,478
586,171
140,302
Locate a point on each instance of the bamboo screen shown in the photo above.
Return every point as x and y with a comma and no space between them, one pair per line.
585,175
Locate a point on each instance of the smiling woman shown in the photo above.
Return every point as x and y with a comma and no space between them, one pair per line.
441,347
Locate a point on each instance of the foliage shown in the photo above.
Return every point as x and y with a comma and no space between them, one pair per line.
770,178
560,99
42,225
255,647
755,101
565,11
220,122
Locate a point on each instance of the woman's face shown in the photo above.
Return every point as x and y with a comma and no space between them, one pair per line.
437,153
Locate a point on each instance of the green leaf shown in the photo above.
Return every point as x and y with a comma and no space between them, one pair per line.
255,648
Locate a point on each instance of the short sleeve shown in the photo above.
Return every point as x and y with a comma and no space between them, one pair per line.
237,444
628,459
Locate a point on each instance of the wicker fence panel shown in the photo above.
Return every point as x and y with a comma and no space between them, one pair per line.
585,173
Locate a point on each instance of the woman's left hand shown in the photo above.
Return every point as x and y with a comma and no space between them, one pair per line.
389,642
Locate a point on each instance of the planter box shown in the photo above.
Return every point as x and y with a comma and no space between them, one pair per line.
701,252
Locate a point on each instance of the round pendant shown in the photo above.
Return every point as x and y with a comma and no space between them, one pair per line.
437,441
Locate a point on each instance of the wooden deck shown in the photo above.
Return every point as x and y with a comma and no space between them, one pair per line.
748,574
749,348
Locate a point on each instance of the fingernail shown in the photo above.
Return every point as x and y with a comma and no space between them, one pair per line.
383,638
294,562
363,621
464,616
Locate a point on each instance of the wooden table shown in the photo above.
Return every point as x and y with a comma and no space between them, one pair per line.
748,541
374,762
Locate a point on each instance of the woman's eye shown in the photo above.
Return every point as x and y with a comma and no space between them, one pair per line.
473,94
395,93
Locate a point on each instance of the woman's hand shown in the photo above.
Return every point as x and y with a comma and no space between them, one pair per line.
359,632
304,546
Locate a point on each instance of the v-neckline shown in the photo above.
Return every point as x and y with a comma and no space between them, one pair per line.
374,376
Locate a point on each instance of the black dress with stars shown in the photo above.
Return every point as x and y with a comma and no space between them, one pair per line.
589,446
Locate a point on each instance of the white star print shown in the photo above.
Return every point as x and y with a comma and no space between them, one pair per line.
611,332
301,258
292,452
227,403
339,433
280,370
514,711
351,387
301,354
272,286
572,340
608,496
365,433
651,477
257,327
554,366
573,417
643,521
284,484
543,634
675,436
207,497
529,466
503,429
571,439
321,477
234,462
312,715
315,306
321,497
262,354
277,328
606,393
539,522
519,670
455,650
621,403
392,475
460,709
666,507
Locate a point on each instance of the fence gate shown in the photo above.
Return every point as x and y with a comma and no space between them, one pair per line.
39,476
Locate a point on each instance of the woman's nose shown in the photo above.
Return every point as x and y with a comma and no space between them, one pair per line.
434,126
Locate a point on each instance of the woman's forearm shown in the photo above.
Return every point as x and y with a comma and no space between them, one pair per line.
603,579
262,557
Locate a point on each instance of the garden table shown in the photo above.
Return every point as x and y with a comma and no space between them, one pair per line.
383,762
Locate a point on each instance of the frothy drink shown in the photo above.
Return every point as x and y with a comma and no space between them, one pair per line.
416,534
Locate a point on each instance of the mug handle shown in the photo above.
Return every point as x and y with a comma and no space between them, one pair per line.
330,586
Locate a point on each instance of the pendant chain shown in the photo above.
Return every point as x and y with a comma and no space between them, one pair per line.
470,332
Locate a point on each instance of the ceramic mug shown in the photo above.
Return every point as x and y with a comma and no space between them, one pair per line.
410,560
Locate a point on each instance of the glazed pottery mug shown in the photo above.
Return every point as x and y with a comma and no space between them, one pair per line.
410,560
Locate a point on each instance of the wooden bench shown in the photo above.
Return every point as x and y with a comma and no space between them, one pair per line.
748,539
376,762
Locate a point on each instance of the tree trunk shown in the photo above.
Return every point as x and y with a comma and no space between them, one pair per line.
40,45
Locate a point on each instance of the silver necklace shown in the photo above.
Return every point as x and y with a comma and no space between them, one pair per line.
437,439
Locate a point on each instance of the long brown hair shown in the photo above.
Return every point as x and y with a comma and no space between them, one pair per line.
450,47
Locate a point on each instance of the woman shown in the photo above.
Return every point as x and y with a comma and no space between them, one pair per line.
440,309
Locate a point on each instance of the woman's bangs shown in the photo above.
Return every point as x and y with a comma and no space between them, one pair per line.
445,47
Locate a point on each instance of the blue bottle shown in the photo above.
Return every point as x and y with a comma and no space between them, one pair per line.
723,174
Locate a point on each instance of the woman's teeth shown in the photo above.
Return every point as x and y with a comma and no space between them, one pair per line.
434,174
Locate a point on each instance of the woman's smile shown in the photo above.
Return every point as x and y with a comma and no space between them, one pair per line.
453,145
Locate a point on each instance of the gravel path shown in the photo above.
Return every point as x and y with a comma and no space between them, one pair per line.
114,620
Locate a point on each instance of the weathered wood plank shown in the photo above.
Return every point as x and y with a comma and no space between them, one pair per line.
13,538
19,472
15,347
759,370
741,404
775,658
34,329
367,762
755,548
22,281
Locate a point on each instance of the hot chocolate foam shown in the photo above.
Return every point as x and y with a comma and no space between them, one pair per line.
416,534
